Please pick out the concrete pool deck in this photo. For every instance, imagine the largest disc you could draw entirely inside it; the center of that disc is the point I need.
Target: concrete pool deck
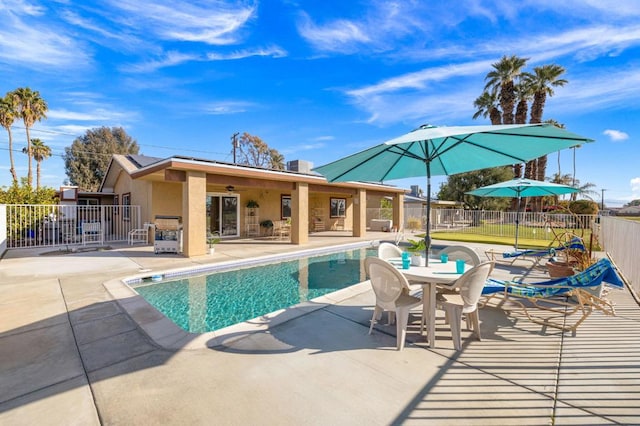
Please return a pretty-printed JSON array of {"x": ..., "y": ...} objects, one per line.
[{"x": 70, "y": 354}]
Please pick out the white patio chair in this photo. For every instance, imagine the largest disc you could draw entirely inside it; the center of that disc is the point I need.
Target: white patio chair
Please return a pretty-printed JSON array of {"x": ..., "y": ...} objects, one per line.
[
  {"x": 465, "y": 302},
  {"x": 387, "y": 251},
  {"x": 390, "y": 288},
  {"x": 466, "y": 253},
  {"x": 92, "y": 232}
]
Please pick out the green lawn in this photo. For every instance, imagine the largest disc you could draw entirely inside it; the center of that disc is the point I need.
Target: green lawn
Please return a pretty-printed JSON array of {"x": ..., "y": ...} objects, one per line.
[
  {"x": 632, "y": 218},
  {"x": 532, "y": 243}
]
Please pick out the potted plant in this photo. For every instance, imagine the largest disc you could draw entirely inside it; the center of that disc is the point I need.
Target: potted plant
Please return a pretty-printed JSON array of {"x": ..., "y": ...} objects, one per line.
[
  {"x": 267, "y": 224},
  {"x": 252, "y": 204},
  {"x": 417, "y": 249},
  {"x": 213, "y": 238}
]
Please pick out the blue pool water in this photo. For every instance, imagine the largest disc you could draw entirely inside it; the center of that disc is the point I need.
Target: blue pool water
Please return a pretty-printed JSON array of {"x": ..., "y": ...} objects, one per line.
[{"x": 209, "y": 302}]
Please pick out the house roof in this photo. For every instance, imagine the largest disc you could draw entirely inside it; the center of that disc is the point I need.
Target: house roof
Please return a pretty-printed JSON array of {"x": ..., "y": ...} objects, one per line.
[{"x": 154, "y": 168}]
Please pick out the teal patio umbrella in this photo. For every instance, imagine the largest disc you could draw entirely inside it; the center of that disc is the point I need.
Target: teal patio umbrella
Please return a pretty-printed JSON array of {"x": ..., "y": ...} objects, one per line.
[
  {"x": 439, "y": 151},
  {"x": 518, "y": 188}
]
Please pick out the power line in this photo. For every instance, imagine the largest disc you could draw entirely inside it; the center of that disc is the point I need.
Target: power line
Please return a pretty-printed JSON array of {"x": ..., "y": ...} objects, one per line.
[{"x": 171, "y": 148}]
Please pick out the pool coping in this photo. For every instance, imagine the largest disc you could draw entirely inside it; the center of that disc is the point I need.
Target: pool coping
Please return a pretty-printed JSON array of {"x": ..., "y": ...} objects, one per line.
[{"x": 168, "y": 335}]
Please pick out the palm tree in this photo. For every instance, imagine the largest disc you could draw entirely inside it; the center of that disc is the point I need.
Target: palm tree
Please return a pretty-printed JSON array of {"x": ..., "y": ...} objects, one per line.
[
  {"x": 544, "y": 79},
  {"x": 585, "y": 189},
  {"x": 523, "y": 93},
  {"x": 487, "y": 105},
  {"x": 31, "y": 108},
  {"x": 501, "y": 79},
  {"x": 542, "y": 82},
  {"x": 40, "y": 152},
  {"x": 7, "y": 117}
]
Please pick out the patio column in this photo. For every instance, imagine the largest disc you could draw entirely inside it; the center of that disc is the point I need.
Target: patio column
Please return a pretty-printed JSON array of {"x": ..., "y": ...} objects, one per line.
[
  {"x": 194, "y": 215},
  {"x": 360, "y": 213},
  {"x": 398, "y": 211},
  {"x": 300, "y": 214}
]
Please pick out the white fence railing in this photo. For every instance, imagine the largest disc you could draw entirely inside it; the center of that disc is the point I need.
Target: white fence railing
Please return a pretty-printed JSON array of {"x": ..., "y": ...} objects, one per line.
[
  {"x": 54, "y": 225},
  {"x": 533, "y": 225},
  {"x": 621, "y": 239}
]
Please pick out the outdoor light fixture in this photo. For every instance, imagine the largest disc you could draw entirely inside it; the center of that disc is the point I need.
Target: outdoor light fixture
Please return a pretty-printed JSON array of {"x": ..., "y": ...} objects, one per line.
[{"x": 230, "y": 188}]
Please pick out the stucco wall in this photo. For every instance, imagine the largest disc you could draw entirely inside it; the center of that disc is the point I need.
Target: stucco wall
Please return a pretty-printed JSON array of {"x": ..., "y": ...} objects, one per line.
[{"x": 166, "y": 199}]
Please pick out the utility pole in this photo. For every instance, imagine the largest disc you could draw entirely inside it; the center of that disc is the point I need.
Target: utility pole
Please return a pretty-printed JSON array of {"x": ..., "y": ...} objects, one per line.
[
  {"x": 234, "y": 141},
  {"x": 602, "y": 200}
]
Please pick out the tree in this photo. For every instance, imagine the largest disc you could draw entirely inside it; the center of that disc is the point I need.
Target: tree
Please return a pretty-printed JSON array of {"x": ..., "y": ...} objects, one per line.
[
  {"x": 632, "y": 203},
  {"x": 7, "y": 118},
  {"x": 502, "y": 80},
  {"x": 586, "y": 189},
  {"x": 487, "y": 106},
  {"x": 40, "y": 152},
  {"x": 88, "y": 157},
  {"x": 23, "y": 194},
  {"x": 456, "y": 185},
  {"x": 253, "y": 151},
  {"x": 542, "y": 82},
  {"x": 31, "y": 108},
  {"x": 523, "y": 95}
]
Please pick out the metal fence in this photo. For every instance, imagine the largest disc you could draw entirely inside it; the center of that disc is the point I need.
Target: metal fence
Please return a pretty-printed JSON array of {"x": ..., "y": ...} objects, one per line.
[
  {"x": 533, "y": 225},
  {"x": 55, "y": 225},
  {"x": 621, "y": 239}
]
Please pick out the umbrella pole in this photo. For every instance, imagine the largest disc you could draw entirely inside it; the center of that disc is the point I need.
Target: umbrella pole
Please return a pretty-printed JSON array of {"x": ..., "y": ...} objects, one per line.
[
  {"x": 517, "y": 221},
  {"x": 427, "y": 235}
]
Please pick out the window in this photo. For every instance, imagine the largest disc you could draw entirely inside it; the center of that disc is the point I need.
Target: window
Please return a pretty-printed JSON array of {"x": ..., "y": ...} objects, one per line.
[
  {"x": 285, "y": 206},
  {"x": 68, "y": 193},
  {"x": 116, "y": 202},
  {"x": 126, "y": 202},
  {"x": 338, "y": 207}
]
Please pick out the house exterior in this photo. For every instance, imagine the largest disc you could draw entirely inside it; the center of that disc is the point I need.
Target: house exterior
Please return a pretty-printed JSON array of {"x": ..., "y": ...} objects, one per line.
[{"x": 212, "y": 196}]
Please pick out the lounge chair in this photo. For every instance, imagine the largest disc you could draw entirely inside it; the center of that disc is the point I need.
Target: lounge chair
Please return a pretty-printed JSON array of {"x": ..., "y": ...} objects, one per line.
[
  {"x": 391, "y": 289},
  {"x": 535, "y": 256},
  {"x": 549, "y": 303}
]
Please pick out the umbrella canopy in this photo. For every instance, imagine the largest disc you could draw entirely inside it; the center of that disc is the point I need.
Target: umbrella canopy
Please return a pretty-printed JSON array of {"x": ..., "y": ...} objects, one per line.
[
  {"x": 518, "y": 188},
  {"x": 438, "y": 151}
]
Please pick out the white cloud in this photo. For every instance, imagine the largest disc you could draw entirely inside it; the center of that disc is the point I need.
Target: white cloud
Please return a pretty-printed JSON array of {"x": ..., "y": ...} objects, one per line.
[
  {"x": 635, "y": 186},
  {"x": 273, "y": 51},
  {"x": 226, "y": 107},
  {"x": 38, "y": 45},
  {"x": 175, "y": 58},
  {"x": 168, "y": 60},
  {"x": 119, "y": 38},
  {"x": 419, "y": 79},
  {"x": 295, "y": 150},
  {"x": 324, "y": 138},
  {"x": 214, "y": 23},
  {"x": 338, "y": 36},
  {"x": 616, "y": 135}
]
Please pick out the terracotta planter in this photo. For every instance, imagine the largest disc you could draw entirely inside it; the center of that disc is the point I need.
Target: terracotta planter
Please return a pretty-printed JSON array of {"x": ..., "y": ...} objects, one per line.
[{"x": 559, "y": 269}]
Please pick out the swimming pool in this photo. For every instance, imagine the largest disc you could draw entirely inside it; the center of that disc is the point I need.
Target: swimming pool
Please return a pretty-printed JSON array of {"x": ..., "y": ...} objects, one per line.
[{"x": 223, "y": 297}]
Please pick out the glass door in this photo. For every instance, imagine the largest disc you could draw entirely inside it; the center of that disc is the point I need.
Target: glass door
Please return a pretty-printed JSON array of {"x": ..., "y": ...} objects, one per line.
[{"x": 222, "y": 214}]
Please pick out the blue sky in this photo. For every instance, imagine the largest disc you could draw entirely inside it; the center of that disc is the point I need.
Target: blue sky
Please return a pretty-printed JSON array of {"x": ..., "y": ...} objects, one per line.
[{"x": 317, "y": 80}]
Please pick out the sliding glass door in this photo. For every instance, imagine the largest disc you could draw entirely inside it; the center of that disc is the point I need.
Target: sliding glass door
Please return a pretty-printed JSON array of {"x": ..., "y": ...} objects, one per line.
[{"x": 222, "y": 214}]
